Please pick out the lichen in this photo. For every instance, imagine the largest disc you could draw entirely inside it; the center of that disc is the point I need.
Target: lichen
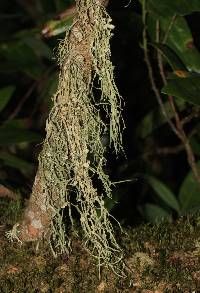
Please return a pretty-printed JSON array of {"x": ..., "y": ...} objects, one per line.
[{"x": 73, "y": 152}]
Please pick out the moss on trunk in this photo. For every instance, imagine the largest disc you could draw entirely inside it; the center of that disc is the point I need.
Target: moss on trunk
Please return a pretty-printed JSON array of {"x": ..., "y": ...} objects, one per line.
[{"x": 159, "y": 258}]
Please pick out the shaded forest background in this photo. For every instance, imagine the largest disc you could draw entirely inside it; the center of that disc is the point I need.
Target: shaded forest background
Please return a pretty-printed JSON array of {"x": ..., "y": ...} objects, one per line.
[{"x": 153, "y": 178}]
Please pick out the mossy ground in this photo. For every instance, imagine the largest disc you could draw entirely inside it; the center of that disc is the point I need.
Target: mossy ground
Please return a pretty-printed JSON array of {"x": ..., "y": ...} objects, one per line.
[{"x": 159, "y": 258}]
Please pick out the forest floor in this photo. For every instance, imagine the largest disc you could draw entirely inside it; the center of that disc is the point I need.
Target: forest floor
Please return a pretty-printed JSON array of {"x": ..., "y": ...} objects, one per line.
[{"x": 159, "y": 258}]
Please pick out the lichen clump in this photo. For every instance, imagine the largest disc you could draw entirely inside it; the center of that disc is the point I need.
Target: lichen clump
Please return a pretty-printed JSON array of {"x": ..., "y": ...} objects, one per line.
[{"x": 73, "y": 151}]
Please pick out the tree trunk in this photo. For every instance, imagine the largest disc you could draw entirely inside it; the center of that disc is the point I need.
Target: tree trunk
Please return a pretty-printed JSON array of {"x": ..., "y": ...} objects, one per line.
[{"x": 73, "y": 130}]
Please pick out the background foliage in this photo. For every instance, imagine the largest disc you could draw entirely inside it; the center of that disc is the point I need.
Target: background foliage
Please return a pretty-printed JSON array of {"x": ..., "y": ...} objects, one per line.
[{"x": 156, "y": 179}]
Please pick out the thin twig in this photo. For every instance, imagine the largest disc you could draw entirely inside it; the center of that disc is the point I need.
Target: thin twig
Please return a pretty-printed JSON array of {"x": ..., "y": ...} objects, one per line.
[
  {"x": 178, "y": 129},
  {"x": 169, "y": 29},
  {"x": 28, "y": 93},
  {"x": 150, "y": 72},
  {"x": 22, "y": 101},
  {"x": 187, "y": 119},
  {"x": 71, "y": 10},
  {"x": 159, "y": 56},
  {"x": 164, "y": 79},
  {"x": 179, "y": 125},
  {"x": 170, "y": 150}
]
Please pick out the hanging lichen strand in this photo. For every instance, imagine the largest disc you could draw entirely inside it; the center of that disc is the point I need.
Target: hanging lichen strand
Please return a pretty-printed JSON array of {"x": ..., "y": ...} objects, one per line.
[{"x": 73, "y": 152}]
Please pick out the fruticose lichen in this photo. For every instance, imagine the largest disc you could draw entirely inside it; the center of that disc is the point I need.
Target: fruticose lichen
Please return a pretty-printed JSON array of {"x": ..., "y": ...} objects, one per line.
[{"x": 73, "y": 152}]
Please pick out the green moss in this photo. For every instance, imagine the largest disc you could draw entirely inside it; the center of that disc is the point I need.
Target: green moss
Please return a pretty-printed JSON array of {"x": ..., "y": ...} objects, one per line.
[
  {"x": 173, "y": 249},
  {"x": 11, "y": 210}
]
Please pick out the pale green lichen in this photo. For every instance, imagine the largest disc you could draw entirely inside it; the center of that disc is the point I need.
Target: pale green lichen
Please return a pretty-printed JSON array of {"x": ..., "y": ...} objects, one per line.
[
  {"x": 13, "y": 234},
  {"x": 73, "y": 152}
]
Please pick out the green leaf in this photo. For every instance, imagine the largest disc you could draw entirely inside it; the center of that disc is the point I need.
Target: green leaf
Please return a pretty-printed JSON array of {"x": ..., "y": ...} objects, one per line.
[
  {"x": 164, "y": 8},
  {"x": 189, "y": 194},
  {"x": 39, "y": 47},
  {"x": 155, "y": 213},
  {"x": 17, "y": 123},
  {"x": 163, "y": 192},
  {"x": 56, "y": 27},
  {"x": 110, "y": 203},
  {"x": 195, "y": 141},
  {"x": 50, "y": 87},
  {"x": 195, "y": 146},
  {"x": 12, "y": 135},
  {"x": 5, "y": 96},
  {"x": 179, "y": 39},
  {"x": 15, "y": 162},
  {"x": 187, "y": 89},
  {"x": 155, "y": 119},
  {"x": 170, "y": 56},
  {"x": 22, "y": 57}
]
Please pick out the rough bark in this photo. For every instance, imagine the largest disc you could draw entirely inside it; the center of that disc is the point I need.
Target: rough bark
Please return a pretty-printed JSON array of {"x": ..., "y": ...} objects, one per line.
[{"x": 37, "y": 216}]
